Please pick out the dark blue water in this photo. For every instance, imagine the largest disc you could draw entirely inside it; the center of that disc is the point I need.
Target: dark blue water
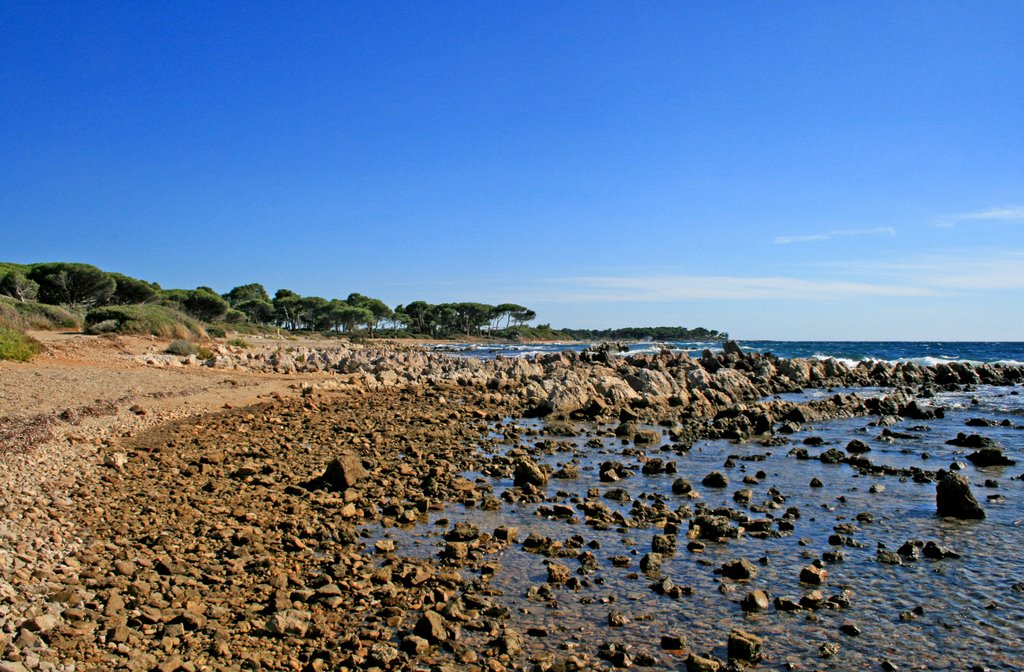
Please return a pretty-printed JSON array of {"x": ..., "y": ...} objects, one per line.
[{"x": 920, "y": 352}]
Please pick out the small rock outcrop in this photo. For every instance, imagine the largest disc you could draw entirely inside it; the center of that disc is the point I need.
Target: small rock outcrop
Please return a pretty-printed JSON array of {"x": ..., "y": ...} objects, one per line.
[{"x": 954, "y": 499}]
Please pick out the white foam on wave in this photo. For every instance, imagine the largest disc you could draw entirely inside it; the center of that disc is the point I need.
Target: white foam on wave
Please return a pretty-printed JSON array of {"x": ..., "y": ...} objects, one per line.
[{"x": 845, "y": 361}]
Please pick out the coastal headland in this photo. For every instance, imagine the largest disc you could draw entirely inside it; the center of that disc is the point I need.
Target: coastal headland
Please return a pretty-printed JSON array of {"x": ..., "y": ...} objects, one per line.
[{"x": 247, "y": 510}]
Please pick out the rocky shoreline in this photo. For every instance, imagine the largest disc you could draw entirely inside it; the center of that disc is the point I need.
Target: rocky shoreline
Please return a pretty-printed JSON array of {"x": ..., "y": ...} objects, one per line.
[{"x": 245, "y": 539}]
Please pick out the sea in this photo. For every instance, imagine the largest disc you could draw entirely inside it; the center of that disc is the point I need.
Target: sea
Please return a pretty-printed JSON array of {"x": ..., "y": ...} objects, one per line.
[
  {"x": 963, "y": 612},
  {"x": 920, "y": 352}
]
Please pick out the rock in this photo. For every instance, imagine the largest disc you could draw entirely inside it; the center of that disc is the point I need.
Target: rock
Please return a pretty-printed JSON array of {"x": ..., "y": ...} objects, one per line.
[
  {"x": 857, "y": 447},
  {"x": 567, "y": 472},
  {"x": 832, "y": 456},
  {"x": 732, "y": 348},
  {"x": 755, "y": 600},
  {"x": 646, "y": 437},
  {"x": 990, "y": 457},
  {"x": 972, "y": 441},
  {"x": 12, "y": 666},
  {"x": 506, "y": 533},
  {"x": 745, "y": 646},
  {"x": 116, "y": 460},
  {"x": 664, "y": 544},
  {"x": 813, "y": 575},
  {"x": 850, "y": 629},
  {"x": 815, "y": 483},
  {"x": 815, "y": 599},
  {"x": 953, "y": 498},
  {"x": 651, "y": 562},
  {"x": 739, "y": 570},
  {"x": 289, "y": 623},
  {"x": 888, "y": 557},
  {"x": 715, "y": 479},
  {"x": 681, "y": 486},
  {"x": 786, "y": 604},
  {"x": 382, "y": 655},
  {"x": 695, "y": 663},
  {"x": 935, "y": 552},
  {"x": 343, "y": 472},
  {"x": 527, "y": 472},
  {"x": 44, "y": 623},
  {"x": 558, "y": 573},
  {"x": 510, "y": 642},
  {"x": 462, "y": 532},
  {"x": 673, "y": 642},
  {"x": 617, "y": 619},
  {"x": 828, "y": 649},
  {"x": 431, "y": 627}
]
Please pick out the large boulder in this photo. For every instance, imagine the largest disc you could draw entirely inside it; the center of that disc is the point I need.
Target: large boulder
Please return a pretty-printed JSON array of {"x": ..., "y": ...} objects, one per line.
[{"x": 953, "y": 498}]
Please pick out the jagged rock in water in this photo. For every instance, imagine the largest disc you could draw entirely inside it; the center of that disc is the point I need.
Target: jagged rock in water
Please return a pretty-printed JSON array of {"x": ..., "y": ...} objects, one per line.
[
  {"x": 990, "y": 457},
  {"x": 745, "y": 646},
  {"x": 953, "y": 498},
  {"x": 527, "y": 472}
]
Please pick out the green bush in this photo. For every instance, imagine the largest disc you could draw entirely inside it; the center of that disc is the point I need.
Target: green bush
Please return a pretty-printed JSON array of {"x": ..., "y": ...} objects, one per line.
[
  {"x": 204, "y": 353},
  {"x": 145, "y": 319},
  {"x": 41, "y": 315},
  {"x": 239, "y": 342},
  {"x": 18, "y": 347},
  {"x": 181, "y": 347},
  {"x": 216, "y": 332}
]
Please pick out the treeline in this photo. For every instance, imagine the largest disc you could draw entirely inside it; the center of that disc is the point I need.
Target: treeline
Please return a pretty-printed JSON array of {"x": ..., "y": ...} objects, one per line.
[
  {"x": 647, "y": 333},
  {"x": 90, "y": 291}
]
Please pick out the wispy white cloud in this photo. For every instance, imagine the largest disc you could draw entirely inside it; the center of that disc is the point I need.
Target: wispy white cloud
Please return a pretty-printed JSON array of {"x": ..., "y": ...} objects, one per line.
[
  {"x": 829, "y": 235},
  {"x": 689, "y": 287},
  {"x": 934, "y": 275},
  {"x": 948, "y": 273},
  {"x": 1012, "y": 213}
]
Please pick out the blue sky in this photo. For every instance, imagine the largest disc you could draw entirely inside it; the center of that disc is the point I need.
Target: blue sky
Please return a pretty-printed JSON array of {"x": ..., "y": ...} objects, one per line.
[{"x": 797, "y": 170}]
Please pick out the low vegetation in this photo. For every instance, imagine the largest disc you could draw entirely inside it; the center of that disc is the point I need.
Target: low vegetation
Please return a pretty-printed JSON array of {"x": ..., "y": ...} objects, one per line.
[
  {"x": 42, "y": 316},
  {"x": 16, "y": 346},
  {"x": 181, "y": 347},
  {"x": 143, "y": 319}
]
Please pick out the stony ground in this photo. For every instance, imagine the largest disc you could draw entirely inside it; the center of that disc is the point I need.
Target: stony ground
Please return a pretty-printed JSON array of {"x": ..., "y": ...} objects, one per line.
[
  {"x": 213, "y": 517},
  {"x": 57, "y": 416}
]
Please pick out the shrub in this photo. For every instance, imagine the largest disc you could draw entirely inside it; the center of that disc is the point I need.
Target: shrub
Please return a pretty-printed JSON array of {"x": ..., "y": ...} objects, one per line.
[
  {"x": 145, "y": 319},
  {"x": 18, "y": 347},
  {"x": 9, "y": 317},
  {"x": 104, "y": 327},
  {"x": 29, "y": 315},
  {"x": 239, "y": 342},
  {"x": 204, "y": 353},
  {"x": 43, "y": 316},
  {"x": 181, "y": 347},
  {"x": 216, "y": 332}
]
